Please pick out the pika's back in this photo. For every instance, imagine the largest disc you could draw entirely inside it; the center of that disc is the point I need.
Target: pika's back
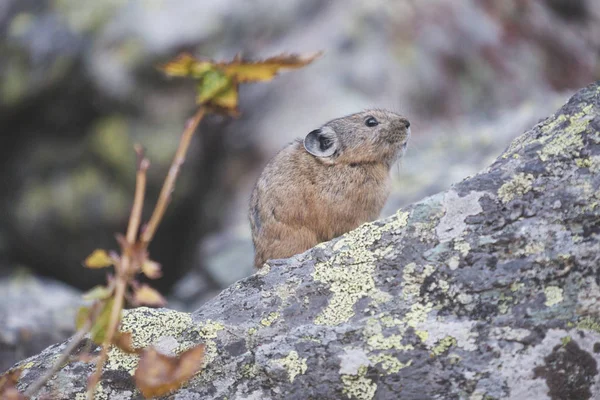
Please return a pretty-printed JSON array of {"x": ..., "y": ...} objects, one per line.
[{"x": 328, "y": 184}]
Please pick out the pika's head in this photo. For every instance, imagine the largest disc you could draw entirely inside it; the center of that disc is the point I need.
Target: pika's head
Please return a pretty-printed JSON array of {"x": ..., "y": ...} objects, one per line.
[{"x": 372, "y": 136}]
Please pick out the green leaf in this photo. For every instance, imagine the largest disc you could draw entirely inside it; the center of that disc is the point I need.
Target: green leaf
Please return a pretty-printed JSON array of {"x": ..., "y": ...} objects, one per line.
[
  {"x": 98, "y": 331},
  {"x": 212, "y": 84}
]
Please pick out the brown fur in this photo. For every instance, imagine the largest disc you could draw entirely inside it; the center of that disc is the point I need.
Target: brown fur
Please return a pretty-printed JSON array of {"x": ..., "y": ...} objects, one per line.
[{"x": 301, "y": 199}]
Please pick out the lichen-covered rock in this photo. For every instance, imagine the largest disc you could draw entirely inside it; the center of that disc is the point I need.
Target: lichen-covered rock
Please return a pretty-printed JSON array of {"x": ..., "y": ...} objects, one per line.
[{"x": 489, "y": 290}]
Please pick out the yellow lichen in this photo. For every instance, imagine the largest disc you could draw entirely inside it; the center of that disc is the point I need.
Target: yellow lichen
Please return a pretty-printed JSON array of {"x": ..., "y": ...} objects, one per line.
[
  {"x": 590, "y": 324},
  {"x": 554, "y": 295},
  {"x": 412, "y": 280},
  {"x": 147, "y": 325},
  {"x": 348, "y": 273},
  {"x": 400, "y": 220},
  {"x": 463, "y": 247},
  {"x": 443, "y": 345},
  {"x": 376, "y": 340},
  {"x": 269, "y": 319},
  {"x": 390, "y": 364},
  {"x": 293, "y": 364},
  {"x": 418, "y": 313},
  {"x": 583, "y": 162},
  {"x": 570, "y": 141},
  {"x": 423, "y": 335},
  {"x": 515, "y": 286},
  {"x": 517, "y": 186},
  {"x": 359, "y": 386}
]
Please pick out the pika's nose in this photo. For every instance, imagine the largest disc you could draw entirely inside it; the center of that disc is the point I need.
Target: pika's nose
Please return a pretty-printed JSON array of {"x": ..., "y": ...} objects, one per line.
[{"x": 406, "y": 123}]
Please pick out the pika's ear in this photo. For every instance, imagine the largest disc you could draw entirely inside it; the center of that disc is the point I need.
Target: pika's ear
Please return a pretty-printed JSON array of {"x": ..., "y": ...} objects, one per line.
[{"x": 321, "y": 142}]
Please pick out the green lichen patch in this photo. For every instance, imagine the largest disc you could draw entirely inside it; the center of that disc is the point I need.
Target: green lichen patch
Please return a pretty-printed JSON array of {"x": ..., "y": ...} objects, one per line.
[
  {"x": 554, "y": 295},
  {"x": 349, "y": 273},
  {"x": 147, "y": 326},
  {"x": 443, "y": 345},
  {"x": 293, "y": 364},
  {"x": 517, "y": 186},
  {"x": 418, "y": 313},
  {"x": 269, "y": 319},
  {"x": 590, "y": 324},
  {"x": 463, "y": 247},
  {"x": 359, "y": 386},
  {"x": 390, "y": 364},
  {"x": 412, "y": 280},
  {"x": 570, "y": 141}
]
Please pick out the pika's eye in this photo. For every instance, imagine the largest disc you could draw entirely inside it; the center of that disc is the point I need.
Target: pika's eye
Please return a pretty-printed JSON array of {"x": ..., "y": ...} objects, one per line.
[{"x": 371, "y": 122}]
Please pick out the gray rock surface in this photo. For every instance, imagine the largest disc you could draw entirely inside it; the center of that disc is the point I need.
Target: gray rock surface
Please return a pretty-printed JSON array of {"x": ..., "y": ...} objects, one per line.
[
  {"x": 34, "y": 313},
  {"x": 489, "y": 290}
]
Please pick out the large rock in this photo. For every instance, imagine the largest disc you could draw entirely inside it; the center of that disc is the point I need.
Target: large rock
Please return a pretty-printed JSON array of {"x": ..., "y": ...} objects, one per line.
[{"x": 488, "y": 290}]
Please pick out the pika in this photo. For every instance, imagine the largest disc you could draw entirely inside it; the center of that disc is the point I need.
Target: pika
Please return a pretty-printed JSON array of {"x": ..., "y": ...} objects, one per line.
[{"x": 334, "y": 180}]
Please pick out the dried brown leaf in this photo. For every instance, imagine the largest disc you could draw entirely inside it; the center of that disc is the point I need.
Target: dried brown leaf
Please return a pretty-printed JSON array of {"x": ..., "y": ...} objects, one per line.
[
  {"x": 264, "y": 70},
  {"x": 158, "y": 374},
  {"x": 145, "y": 295},
  {"x": 8, "y": 385},
  {"x": 152, "y": 269},
  {"x": 124, "y": 341}
]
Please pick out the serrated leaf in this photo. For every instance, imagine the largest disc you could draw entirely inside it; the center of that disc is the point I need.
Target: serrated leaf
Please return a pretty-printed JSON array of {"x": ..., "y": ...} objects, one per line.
[
  {"x": 217, "y": 86},
  {"x": 152, "y": 269},
  {"x": 145, "y": 295},
  {"x": 265, "y": 70},
  {"x": 186, "y": 65},
  {"x": 98, "y": 259},
  {"x": 99, "y": 292},
  {"x": 158, "y": 374}
]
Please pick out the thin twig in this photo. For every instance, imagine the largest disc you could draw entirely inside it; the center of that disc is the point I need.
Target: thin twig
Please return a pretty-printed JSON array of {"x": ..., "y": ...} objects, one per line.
[
  {"x": 169, "y": 185},
  {"x": 138, "y": 202},
  {"x": 110, "y": 332},
  {"x": 122, "y": 272},
  {"x": 75, "y": 340}
]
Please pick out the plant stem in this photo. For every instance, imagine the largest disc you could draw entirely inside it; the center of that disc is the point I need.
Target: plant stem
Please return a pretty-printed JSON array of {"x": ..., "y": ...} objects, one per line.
[
  {"x": 165, "y": 193},
  {"x": 138, "y": 202},
  {"x": 75, "y": 340},
  {"x": 123, "y": 274}
]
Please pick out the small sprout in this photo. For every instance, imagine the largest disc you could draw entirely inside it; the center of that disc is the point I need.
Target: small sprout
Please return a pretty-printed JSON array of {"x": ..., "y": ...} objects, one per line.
[
  {"x": 158, "y": 374},
  {"x": 99, "y": 259},
  {"x": 145, "y": 295}
]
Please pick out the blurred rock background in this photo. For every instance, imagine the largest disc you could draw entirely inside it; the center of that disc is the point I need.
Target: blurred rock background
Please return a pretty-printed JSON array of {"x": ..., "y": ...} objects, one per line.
[{"x": 78, "y": 87}]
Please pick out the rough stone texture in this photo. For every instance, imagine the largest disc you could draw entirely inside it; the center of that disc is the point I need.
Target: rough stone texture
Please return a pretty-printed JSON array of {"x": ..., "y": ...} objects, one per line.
[
  {"x": 34, "y": 313},
  {"x": 489, "y": 290}
]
